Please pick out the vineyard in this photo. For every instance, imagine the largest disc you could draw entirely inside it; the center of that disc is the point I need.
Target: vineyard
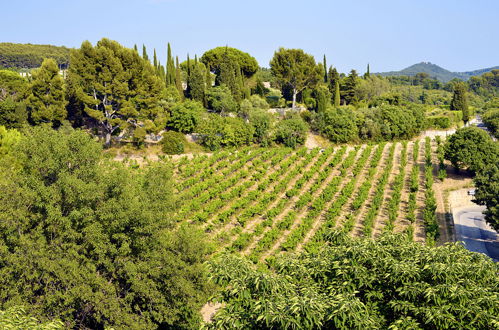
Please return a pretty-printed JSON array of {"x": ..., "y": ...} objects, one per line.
[{"x": 259, "y": 202}]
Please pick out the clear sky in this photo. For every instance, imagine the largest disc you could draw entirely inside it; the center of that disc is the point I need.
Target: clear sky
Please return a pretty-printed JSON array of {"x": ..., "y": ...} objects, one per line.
[{"x": 459, "y": 35}]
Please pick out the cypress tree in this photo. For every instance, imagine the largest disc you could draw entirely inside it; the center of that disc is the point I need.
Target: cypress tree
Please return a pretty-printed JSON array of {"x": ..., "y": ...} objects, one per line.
[
  {"x": 229, "y": 75},
  {"x": 170, "y": 68},
  {"x": 155, "y": 60},
  {"x": 325, "y": 69},
  {"x": 135, "y": 48},
  {"x": 144, "y": 53},
  {"x": 196, "y": 85},
  {"x": 207, "y": 80},
  {"x": 333, "y": 77},
  {"x": 188, "y": 66},
  {"x": 460, "y": 101},
  {"x": 337, "y": 94},
  {"x": 367, "y": 74},
  {"x": 178, "y": 79},
  {"x": 350, "y": 85}
]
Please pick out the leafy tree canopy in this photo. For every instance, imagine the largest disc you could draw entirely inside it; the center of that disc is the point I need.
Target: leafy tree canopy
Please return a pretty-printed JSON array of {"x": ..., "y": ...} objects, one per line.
[
  {"x": 487, "y": 193},
  {"x": 387, "y": 283},
  {"x": 91, "y": 241},
  {"x": 215, "y": 57},
  {"x": 471, "y": 148}
]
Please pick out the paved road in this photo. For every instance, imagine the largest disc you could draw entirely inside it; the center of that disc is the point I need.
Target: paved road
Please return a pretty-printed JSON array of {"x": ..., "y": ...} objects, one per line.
[{"x": 476, "y": 234}]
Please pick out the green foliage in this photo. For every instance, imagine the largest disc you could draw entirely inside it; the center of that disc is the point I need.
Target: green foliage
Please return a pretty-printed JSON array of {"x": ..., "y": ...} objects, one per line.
[
  {"x": 295, "y": 69},
  {"x": 262, "y": 122},
  {"x": 323, "y": 98},
  {"x": 291, "y": 131},
  {"x": 170, "y": 68},
  {"x": 116, "y": 86},
  {"x": 220, "y": 99},
  {"x": 185, "y": 116},
  {"x": 8, "y": 139},
  {"x": 217, "y": 132},
  {"x": 46, "y": 101},
  {"x": 13, "y": 90},
  {"x": 31, "y": 56},
  {"x": 460, "y": 101},
  {"x": 349, "y": 88},
  {"x": 471, "y": 148},
  {"x": 173, "y": 143},
  {"x": 487, "y": 192},
  {"x": 12, "y": 114},
  {"x": 95, "y": 246},
  {"x": 196, "y": 85},
  {"x": 360, "y": 283},
  {"x": 491, "y": 120},
  {"x": 338, "y": 125},
  {"x": 16, "y": 318},
  {"x": 439, "y": 122},
  {"x": 214, "y": 58}
]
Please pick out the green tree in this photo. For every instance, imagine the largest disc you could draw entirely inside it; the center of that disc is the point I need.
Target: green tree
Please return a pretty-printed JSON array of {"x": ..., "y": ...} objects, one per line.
[
  {"x": 170, "y": 68},
  {"x": 196, "y": 85},
  {"x": 185, "y": 116},
  {"x": 173, "y": 143},
  {"x": 217, "y": 132},
  {"x": 214, "y": 58},
  {"x": 118, "y": 89},
  {"x": 230, "y": 76},
  {"x": 16, "y": 318},
  {"x": 460, "y": 101},
  {"x": 323, "y": 98},
  {"x": 325, "y": 70},
  {"x": 95, "y": 244},
  {"x": 155, "y": 60},
  {"x": 262, "y": 121},
  {"x": 296, "y": 69},
  {"x": 337, "y": 96},
  {"x": 220, "y": 99},
  {"x": 487, "y": 192},
  {"x": 471, "y": 148},
  {"x": 46, "y": 100},
  {"x": 349, "y": 92},
  {"x": 338, "y": 125},
  {"x": 144, "y": 53},
  {"x": 13, "y": 89},
  {"x": 291, "y": 131},
  {"x": 367, "y": 74},
  {"x": 178, "y": 79},
  {"x": 386, "y": 283}
]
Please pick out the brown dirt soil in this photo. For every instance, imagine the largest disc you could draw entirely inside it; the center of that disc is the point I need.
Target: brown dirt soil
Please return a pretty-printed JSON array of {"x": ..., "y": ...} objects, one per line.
[
  {"x": 382, "y": 217},
  {"x": 401, "y": 222},
  {"x": 359, "y": 223},
  {"x": 419, "y": 228}
]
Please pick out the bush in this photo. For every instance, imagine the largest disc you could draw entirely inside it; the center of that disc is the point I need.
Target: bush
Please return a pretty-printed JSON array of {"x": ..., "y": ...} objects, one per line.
[
  {"x": 173, "y": 143},
  {"x": 438, "y": 122},
  {"x": 185, "y": 116},
  {"x": 291, "y": 132}
]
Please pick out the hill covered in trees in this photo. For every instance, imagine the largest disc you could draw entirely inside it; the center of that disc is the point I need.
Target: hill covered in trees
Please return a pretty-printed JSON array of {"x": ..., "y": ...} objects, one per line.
[
  {"x": 29, "y": 56},
  {"x": 437, "y": 72}
]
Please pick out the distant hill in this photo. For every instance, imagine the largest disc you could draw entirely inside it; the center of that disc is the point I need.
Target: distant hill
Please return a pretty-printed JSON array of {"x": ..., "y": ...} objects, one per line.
[
  {"x": 436, "y": 72},
  {"x": 28, "y": 56}
]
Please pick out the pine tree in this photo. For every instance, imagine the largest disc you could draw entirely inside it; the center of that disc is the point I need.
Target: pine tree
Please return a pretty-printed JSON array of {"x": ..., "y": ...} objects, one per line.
[
  {"x": 178, "y": 79},
  {"x": 460, "y": 101},
  {"x": 337, "y": 93},
  {"x": 144, "y": 53},
  {"x": 170, "y": 68},
  {"x": 325, "y": 69},
  {"x": 46, "y": 101}
]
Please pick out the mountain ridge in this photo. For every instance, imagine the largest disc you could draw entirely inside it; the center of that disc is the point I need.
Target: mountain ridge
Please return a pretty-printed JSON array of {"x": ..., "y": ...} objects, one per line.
[{"x": 436, "y": 72}]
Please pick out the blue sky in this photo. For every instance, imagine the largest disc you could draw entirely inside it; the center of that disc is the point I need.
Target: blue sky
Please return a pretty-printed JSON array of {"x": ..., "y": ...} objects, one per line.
[{"x": 459, "y": 35}]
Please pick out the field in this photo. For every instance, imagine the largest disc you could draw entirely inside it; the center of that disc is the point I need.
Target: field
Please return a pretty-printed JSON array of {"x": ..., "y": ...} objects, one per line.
[{"x": 261, "y": 201}]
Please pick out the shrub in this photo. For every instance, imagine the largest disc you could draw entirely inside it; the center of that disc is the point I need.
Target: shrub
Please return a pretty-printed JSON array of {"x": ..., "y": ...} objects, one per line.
[{"x": 173, "y": 143}]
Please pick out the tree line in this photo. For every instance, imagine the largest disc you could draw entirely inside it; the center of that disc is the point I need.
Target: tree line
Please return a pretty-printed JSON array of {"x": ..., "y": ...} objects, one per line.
[{"x": 122, "y": 94}]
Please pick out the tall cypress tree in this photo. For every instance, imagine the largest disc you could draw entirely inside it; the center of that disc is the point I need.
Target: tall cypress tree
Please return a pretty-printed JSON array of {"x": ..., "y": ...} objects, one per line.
[
  {"x": 196, "y": 86},
  {"x": 367, "y": 74},
  {"x": 155, "y": 60},
  {"x": 337, "y": 93},
  {"x": 229, "y": 75},
  {"x": 207, "y": 80},
  {"x": 135, "y": 48},
  {"x": 170, "y": 68},
  {"x": 460, "y": 101},
  {"x": 178, "y": 79},
  {"x": 325, "y": 69},
  {"x": 144, "y": 53},
  {"x": 333, "y": 77}
]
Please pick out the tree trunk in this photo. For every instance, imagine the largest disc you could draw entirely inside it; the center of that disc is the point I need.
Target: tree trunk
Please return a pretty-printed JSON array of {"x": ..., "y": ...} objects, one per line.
[
  {"x": 294, "y": 98},
  {"x": 108, "y": 140}
]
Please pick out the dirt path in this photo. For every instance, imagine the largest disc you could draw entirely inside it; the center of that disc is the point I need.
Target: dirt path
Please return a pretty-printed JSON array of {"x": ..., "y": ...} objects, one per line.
[
  {"x": 382, "y": 218},
  {"x": 359, "y": 223},
  {"x": 401, "y": 223},
  {"x": 419, "y": 227}
]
